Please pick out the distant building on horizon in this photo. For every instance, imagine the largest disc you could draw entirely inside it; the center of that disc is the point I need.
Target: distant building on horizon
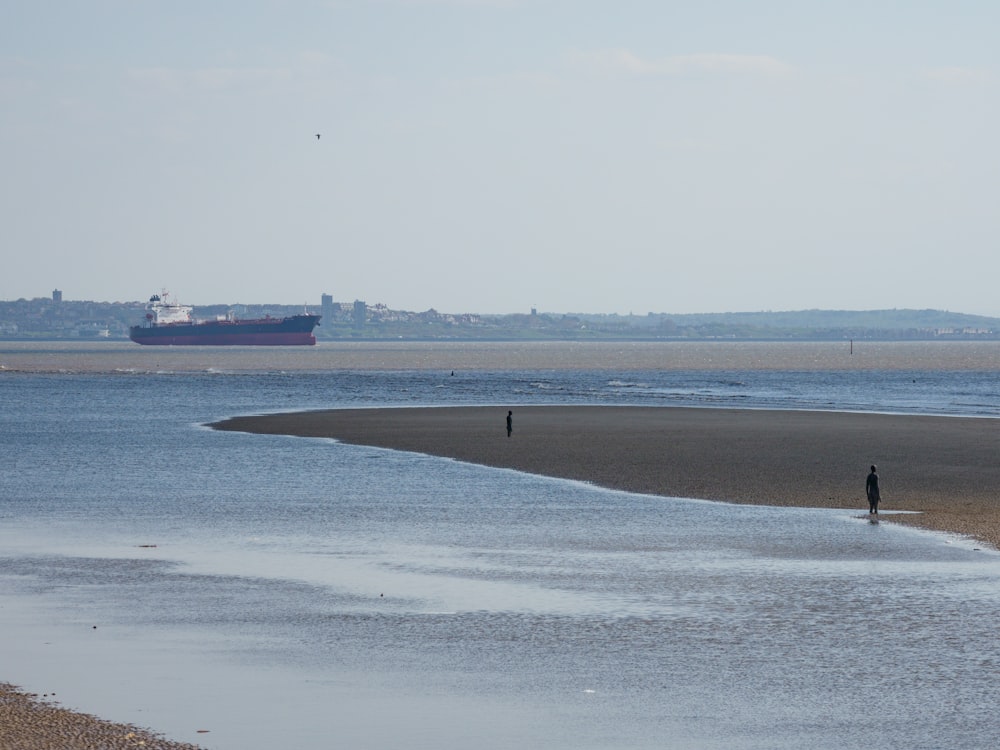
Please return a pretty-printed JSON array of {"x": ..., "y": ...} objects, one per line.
[
  {"x": 56, "y": 295},
  {"x": 326, "y": 301},
  {"x": 360, "y": 316},
  {"x": 360, "y": 313}
]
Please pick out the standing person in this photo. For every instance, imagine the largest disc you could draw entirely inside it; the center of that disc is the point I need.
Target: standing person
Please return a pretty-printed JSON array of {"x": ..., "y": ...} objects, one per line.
[
  {"x": 510, "y": 422},
  {"x": 871, "y": 488}
]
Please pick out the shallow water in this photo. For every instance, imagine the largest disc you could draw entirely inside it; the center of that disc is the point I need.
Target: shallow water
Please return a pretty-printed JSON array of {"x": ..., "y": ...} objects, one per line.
[{"x": 284, "y": 592}]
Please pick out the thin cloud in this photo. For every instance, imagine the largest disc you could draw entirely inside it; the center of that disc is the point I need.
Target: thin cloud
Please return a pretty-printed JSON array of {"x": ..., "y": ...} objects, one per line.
[
  {"x": 960, "y": 76},
  {"x": 622, "y": 61},
  {"x": 336, "y": 4},
  {"x": 467, "y": 3},
  {"x": 315, "y": 59},
  {"x": 175, "y": 81}
]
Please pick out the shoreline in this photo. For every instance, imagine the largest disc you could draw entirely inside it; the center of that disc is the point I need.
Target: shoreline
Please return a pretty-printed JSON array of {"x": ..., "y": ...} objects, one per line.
[
  {"x": 32, "y": 722},
  {"x": 943, "y": 468}
]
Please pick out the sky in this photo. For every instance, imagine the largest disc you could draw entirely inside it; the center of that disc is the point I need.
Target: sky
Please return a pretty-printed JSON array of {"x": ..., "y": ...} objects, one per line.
[{"x": 493, "y": 156}]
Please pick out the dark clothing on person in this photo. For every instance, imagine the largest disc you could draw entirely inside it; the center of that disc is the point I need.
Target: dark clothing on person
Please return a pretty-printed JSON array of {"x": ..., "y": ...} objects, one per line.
[
  {"x": 510, "y": 423},
  {"x": 871, "y": 488}
]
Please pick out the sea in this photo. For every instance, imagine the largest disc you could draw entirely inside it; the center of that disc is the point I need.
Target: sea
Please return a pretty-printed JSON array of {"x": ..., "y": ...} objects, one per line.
[{"x": 252, "y": 592}]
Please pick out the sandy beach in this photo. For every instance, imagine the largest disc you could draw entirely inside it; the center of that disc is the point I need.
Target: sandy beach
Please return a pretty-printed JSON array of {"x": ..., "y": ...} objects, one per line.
[{"x": 943, "y": 468}]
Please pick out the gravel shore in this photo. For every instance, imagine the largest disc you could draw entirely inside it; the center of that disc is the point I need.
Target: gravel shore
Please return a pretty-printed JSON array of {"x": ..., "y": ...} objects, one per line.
[{"x": 32, "y": 722}]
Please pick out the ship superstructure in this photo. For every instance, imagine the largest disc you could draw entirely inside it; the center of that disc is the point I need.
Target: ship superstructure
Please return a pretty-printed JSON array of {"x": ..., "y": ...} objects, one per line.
[{"x": 171, "y": 324}]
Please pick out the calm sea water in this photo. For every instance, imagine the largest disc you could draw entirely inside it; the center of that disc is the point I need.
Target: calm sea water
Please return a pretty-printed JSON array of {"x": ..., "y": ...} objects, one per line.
[{"x": 285, "y": 592}]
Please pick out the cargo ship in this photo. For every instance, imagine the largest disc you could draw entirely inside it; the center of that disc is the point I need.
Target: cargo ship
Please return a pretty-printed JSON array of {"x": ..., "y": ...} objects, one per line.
[{"x": 170, "y": 324}]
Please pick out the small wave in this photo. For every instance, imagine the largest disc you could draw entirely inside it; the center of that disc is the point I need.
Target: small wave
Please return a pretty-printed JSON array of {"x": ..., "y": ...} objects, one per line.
[
  {"x": 626, "y": 384},
  {"x": 548, "y": 386}
]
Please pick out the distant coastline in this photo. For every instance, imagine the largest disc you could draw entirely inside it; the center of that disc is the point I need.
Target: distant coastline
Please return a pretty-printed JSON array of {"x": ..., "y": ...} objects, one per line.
[{"x": 58, "y": 319}]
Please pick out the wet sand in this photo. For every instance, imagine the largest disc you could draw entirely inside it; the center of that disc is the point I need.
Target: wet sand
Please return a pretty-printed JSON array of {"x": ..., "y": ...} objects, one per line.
[
  {"x": 30, "y": 722},
  {"x": 945, "y": 468}
]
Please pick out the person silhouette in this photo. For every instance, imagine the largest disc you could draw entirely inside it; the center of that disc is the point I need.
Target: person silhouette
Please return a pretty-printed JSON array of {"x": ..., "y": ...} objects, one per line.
[
  {"x": 510, "y": 422},
  {"x": 871, "y": 489}
]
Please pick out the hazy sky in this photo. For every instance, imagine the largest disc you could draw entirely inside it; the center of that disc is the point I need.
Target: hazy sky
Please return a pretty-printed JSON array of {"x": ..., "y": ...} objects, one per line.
[{"x": 494, "y": 155}]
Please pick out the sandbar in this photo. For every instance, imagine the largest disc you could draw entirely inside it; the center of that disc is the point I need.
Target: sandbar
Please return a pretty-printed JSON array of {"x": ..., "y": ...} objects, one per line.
[{"x": 943, "y": 469}]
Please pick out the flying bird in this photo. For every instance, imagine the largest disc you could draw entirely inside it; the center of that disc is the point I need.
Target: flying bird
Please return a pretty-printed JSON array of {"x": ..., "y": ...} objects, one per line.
[{"x": 317, "y": 136}]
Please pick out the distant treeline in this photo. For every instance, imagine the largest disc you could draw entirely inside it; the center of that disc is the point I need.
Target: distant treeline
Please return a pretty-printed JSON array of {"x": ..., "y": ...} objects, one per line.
[{"x": 809, "y": 324}]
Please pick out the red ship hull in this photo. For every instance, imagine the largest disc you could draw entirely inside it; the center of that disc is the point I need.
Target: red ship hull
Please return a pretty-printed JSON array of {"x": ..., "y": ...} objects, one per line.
[
  {"x": 294, "y": 331},
  {"x": 259, "y": 339}
]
